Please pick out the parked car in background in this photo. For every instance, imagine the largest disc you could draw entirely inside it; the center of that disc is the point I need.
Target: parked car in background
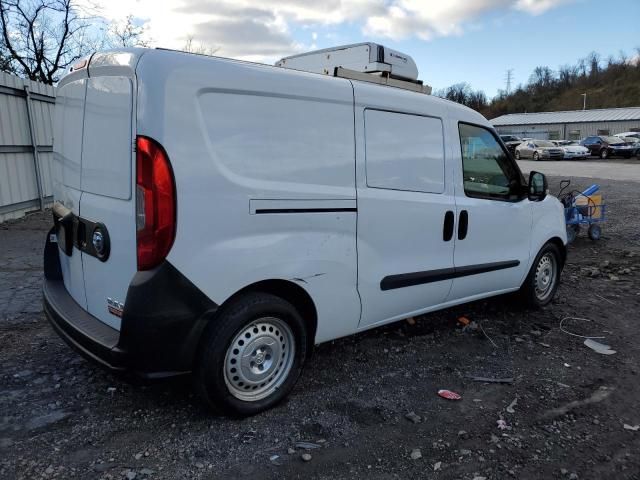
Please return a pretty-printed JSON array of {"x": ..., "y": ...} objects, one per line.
[
  {"x": 628, "y": 134},
  {"x": 562, "y": 143},
  {"x": 608, "y": 146},
  {"x": 634, "y": 142},
  {"x": 539, "y": 150},
  {"x": 574, "y": 151},
  {"x": 511, "y": 142}
]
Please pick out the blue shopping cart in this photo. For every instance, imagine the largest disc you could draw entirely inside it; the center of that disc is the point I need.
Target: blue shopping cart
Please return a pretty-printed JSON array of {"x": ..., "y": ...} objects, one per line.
[{"x": 583, "y": 208}]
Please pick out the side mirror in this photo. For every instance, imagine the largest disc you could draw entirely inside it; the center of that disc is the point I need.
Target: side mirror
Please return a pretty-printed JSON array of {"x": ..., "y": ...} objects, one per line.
[{"x": 538, "y": 186}]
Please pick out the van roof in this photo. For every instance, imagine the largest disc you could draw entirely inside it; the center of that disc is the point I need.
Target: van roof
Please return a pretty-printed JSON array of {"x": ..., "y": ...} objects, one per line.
[{"x": 128, "y": 59}]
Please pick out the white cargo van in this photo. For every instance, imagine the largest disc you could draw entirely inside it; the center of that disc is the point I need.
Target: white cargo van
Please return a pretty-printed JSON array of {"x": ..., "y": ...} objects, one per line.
[{"x": 221, "y": 217}]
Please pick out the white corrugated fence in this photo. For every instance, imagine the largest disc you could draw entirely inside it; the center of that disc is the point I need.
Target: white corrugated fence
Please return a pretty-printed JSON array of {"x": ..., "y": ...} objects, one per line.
[{"x": 26, "y": 145}]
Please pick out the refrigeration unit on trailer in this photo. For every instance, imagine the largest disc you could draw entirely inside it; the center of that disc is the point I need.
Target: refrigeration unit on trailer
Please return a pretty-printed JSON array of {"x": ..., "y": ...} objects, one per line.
[{"x": 221, "y": 217}]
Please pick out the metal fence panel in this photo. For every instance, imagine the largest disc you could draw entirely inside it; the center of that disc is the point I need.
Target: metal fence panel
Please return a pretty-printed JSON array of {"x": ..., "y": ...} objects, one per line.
[
  {"x": 17, "y": 178},
  {"x": 26, "y": 145},
  {"x": 14, "y": 124}
]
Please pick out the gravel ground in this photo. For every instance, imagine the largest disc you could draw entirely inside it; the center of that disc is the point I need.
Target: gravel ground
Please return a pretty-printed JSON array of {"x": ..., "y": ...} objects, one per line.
[{"x": 367, "y": 404}]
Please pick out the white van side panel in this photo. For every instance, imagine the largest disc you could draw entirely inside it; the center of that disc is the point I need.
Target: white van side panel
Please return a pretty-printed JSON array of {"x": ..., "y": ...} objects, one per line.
[
  {"x": 548, "y": 222},
  {"x": 243, "y": 141}
]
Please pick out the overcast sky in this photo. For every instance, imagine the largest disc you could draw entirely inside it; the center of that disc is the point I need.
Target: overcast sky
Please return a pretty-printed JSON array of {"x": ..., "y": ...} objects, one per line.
[{"x": 451, "y": 40}]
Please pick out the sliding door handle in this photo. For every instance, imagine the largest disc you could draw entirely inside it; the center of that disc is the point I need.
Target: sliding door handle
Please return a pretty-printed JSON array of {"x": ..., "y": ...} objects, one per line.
[
  {"x": 447, "y": 229},
  {"x": 463, "y": 225}
]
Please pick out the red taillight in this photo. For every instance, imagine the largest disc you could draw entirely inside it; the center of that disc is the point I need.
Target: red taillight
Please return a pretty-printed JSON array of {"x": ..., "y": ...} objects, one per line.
[{"x": 155, "y": 203}]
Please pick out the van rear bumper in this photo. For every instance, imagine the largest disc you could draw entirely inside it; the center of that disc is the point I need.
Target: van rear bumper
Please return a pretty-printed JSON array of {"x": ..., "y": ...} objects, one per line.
[
  {"x": 83, "y": 332},
  {"x": 162, "y": 322}
]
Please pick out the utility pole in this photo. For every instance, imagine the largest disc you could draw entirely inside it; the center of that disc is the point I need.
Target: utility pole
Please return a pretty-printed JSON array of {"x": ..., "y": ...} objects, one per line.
[
  {"x": 508, "y": 78},
  {"x": 584, "y": 101}
]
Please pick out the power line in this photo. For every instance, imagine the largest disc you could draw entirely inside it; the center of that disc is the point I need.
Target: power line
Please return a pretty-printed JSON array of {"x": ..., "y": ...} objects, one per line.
[{"x": 508, "y": 78}]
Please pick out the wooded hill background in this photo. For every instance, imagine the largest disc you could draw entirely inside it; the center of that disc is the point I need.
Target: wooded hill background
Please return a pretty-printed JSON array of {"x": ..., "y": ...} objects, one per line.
[{"x": 608, "y": 83}]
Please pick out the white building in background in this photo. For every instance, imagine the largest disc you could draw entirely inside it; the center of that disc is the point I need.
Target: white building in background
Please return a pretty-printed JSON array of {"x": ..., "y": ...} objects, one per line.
[{"x": 571, "y": 125}]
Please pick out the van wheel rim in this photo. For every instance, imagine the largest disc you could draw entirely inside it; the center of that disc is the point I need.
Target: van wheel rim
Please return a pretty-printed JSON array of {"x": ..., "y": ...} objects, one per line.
[
  {"x": 545, "y": 277},
  {"x": 259, "y": 359}
]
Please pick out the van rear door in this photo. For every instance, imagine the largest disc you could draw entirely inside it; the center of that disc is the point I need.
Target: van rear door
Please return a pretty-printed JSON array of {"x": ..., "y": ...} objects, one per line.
[
  {"x": 107, "y": 204},
  {"x": 67, "y": 156}
]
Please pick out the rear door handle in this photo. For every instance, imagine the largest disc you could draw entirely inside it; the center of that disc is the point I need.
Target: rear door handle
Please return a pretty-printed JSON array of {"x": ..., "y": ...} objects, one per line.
[
  {"x": 463, "y": 225},
  {"x": 447, "y": 229}
]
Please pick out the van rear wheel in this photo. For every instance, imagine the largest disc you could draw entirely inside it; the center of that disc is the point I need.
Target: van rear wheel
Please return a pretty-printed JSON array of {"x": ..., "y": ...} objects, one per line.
[
  {"x": 251, "y": 355},
  {"x": 541, "y": 283}
]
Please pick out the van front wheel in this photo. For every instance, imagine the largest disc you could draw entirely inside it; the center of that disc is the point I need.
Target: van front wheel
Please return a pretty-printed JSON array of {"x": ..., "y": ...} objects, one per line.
[
  {"x": 541, "y": 283},
  {"x": 251, "y": 355}
]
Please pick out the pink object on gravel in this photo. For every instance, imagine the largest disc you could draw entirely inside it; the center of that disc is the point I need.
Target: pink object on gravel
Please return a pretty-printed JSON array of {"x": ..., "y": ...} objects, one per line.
[{"x": 449, "y": 395}]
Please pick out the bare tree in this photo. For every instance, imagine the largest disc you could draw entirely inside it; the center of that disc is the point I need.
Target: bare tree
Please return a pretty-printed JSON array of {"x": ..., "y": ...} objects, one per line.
[
  {"x": 5, "y": 59},
  {"x": 459, "y": 92},
  {"x": 464, "y": 94},
  {"x": 127, "y": 34},
  {"x": 477, "y": 100},
  {"x": 582, "y": 67},
  {"x": 567, "y": 75},
  {"x": 623, "y": 57},
  {"x": 594, "y": 63},
  {"x": 541, "y": 77},
  {"x": 42, "y": 38},
  {"x": 199, "y": 48}
]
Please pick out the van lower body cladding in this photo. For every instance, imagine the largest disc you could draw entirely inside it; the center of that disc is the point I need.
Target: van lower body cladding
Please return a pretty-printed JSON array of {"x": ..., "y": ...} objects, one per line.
[{"x": 162, "y": 321}]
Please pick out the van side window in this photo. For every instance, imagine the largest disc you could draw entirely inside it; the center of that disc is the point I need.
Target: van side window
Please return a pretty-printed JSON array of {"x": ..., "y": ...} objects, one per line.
[
  {"x": 404, "y": 152},
  {"x": 487, "y": 169}
]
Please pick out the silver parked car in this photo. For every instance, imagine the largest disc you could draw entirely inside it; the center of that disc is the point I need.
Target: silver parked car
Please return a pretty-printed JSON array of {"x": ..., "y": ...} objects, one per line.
[
  {"x": 539, "y": 150},
  {"x": 572, "y": 149}
]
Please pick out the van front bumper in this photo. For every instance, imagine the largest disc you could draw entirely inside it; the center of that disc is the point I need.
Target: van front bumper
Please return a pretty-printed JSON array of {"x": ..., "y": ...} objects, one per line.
[{"x": 162, "y": 322}]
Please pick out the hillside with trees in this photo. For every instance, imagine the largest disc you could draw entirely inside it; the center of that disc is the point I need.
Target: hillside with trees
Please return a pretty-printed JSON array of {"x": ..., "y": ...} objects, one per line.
[{"x": 608, "y": 83}]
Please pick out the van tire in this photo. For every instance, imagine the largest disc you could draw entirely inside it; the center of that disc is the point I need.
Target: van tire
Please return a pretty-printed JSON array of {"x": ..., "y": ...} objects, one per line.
[
  {"x": 530, "y": 291},
  {"x": 248, "y": 313}
]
